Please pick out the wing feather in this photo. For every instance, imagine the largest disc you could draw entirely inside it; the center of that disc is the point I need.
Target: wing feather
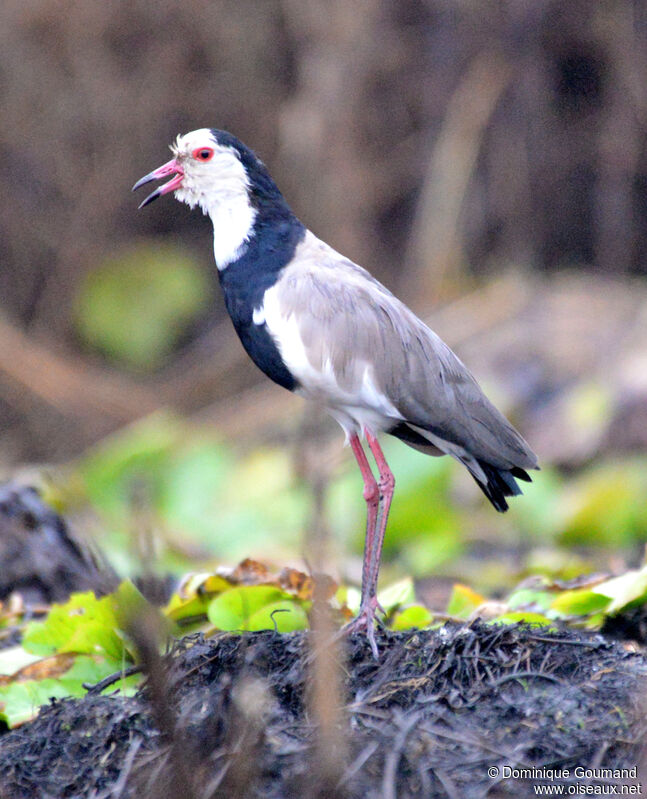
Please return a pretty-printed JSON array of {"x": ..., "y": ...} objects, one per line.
[{"x": 348, "y": 320}]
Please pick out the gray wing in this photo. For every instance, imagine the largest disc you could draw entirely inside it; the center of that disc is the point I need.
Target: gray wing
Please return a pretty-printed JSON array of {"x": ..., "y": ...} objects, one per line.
[{"x": 348, "y": 319}]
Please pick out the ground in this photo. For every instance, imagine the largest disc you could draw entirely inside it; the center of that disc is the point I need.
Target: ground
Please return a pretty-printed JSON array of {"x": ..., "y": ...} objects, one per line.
[{"x": 442, "y": 713}]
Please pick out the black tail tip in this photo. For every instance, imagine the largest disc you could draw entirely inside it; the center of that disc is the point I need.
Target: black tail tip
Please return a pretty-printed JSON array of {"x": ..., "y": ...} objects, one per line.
[{"x": 501, "y": 483}]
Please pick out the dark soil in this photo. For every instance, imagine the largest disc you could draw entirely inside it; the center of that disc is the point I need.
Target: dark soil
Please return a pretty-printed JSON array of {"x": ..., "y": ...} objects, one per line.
[
  {"x": 39, "y": 558},
  {"x": 439, "y": 709},
  {"x": 237, "y": 716}
]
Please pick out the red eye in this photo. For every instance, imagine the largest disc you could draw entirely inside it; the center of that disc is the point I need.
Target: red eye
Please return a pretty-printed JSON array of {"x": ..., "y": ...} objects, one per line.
[{"x": 203, "y": 154}]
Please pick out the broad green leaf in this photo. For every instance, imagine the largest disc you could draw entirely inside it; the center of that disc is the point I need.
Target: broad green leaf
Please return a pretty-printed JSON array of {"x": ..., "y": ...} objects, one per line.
[
  {"x": 285, "y": 615},
  {"x": 594, "y": 621},
  {"x": 233, "y": 609},
  {"x": 134, "y": 613},
  {"x": 579, "y": 602},
  {"x": 627, "y": 589},
  {"x": 84, "y": 624},
  {"x": 20, "y": 701},
  {"x": 412, "y": 616},
  {"x": 400, "y": 593},
  {"x": 538, "y": 597},
  {"x": 189, "y": 609},
  {"x": 127, "y": 602},
  {"x": 464, "y": 601},
  {"x": 194, "y": 596}
]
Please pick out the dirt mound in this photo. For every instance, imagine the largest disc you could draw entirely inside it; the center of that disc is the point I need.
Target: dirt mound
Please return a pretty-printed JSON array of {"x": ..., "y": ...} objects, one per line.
[
  {"x": 39, "y": 557},
  {"x": 440, "y": 709}
]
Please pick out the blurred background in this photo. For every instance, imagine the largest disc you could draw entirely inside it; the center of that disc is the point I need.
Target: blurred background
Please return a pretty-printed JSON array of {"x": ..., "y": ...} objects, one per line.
[{"x": 486, "y": 161}]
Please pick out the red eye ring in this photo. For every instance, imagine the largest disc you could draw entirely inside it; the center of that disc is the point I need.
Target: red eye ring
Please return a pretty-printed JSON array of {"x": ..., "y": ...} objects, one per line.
[{"x": 203, "y": 154}]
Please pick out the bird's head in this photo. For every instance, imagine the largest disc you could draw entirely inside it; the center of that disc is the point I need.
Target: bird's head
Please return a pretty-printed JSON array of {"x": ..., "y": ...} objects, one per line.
[
  {"x": 212, "y": 169},
  {"x": 207, "y": 171}
]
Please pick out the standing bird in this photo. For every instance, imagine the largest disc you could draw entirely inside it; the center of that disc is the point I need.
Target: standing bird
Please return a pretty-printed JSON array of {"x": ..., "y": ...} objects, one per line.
[{"x": 323, "y": 327}]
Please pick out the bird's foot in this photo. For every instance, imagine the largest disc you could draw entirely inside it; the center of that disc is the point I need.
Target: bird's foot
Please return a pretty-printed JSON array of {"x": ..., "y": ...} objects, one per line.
[{"x": 365, "y": 622}]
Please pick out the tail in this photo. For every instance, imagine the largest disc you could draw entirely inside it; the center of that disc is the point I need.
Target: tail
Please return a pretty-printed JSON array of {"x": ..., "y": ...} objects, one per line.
[
  {"x": 500, "y": 483},
  {"x": 495, "y": 482}
]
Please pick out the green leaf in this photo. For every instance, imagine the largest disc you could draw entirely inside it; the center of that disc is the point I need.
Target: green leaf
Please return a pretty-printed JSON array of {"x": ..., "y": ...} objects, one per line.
[
  {"x": 413, "y": 616},
  {"x": 20, "y": 701},
  {"x": 194, "y": 597},
  {"x": 285, "y": 615},
  {"x": 627, "y": 589},
  {"x": 194, "y": 608},
  {"x": 82, "y": 619},
  {"x": 134, "y": 613},
  {"x": 579, "y": 602},
  {"x": 400, "y": 593},
  {"x": 84, "y": 624},
  {"x": 464, "y": 601},
  {"x": 81, "y": 641},
  {"x": 233, "y": 609},
  {"x": 535, "y": 598}
]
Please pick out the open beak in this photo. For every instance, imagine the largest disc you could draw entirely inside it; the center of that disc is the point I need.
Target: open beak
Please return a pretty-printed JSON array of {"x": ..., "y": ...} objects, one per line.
[{"x": 171, "y": 168}]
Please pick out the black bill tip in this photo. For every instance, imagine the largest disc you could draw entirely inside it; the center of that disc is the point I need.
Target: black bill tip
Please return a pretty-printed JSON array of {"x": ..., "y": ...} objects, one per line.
[
  {"x": 151, "y": 197},
  {"x": 143, "y": 181}
]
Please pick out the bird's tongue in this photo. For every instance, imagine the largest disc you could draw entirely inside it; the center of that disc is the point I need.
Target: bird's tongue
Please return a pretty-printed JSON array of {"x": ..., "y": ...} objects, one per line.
[{"x": 170, "y": 168}]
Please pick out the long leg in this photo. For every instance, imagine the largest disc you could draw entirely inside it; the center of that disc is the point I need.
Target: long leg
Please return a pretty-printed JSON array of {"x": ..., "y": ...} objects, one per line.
[
  {"x": 378, "y": 495},
  {"x": 372, "y": 497},
  {"x": 386, "y": 486}
]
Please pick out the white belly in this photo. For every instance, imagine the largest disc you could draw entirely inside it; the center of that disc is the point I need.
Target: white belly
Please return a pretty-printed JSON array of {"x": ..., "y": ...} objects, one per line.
[{"x": 356, "y": 408}]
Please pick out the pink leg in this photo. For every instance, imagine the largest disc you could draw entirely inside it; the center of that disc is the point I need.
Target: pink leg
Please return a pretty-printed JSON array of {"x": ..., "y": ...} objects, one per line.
[
  {"x": 378, "y": 497},
  {"x": 386, "y": 485},
  {"x": 371, "y": 495}
]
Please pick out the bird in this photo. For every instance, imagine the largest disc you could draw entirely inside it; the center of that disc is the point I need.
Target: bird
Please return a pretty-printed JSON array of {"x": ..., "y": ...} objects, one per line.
[{"x": 323, "y": 327}]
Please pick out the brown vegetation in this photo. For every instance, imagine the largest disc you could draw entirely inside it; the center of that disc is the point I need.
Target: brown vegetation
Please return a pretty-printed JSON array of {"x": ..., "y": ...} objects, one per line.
[{"x": 428, "y": 141}]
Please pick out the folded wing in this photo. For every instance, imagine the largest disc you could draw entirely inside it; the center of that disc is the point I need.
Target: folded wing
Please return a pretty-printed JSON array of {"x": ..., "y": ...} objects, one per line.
[{"x": 351, "y": 327}]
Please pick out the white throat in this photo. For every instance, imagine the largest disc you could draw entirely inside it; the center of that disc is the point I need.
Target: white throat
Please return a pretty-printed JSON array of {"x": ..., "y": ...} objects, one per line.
[
  {"x": 233, "y": 226},
  {"x": 220, "y": 187}
]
